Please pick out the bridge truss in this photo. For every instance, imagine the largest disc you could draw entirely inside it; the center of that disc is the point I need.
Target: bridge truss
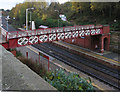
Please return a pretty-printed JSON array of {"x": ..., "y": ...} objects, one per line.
[{"x": 22, "y": 38}]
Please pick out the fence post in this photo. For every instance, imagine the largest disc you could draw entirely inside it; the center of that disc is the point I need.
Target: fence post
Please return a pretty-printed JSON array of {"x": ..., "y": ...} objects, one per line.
[
  {"x": 27, "y": 55},
  {"x": 36, "y": 62},
  {"x": 48, "y": 64},
  {"x": 6, "y": 35},
  {"x": 17, "y": 34},
  {"x": 39, "y": 57}
]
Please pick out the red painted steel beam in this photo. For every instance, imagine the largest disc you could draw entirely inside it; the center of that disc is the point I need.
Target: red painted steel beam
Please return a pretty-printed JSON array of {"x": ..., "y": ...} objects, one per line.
[
  {"x": 5, "y": 45},
  {"x": 21, "y": 38}
]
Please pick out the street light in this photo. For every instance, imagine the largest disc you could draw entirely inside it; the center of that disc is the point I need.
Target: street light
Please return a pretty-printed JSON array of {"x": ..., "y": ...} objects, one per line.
[
  {"x": 7, "y": 21},
  {"x": 58, "y": 16},
  {"x": 30, "y": 20},
  {"x": 27, "y": 17}
]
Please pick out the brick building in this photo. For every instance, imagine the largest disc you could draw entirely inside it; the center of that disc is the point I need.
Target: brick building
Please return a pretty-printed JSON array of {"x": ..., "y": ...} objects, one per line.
[{"x": 96, "y": 42}]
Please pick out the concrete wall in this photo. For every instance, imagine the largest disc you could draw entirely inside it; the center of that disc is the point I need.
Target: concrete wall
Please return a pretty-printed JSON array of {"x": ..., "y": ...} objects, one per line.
[{"x": 16, "y": 76}]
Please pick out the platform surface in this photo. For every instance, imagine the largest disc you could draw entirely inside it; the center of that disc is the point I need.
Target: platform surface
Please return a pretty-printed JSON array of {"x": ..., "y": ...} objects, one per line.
[{"x": 102, "y": 56}]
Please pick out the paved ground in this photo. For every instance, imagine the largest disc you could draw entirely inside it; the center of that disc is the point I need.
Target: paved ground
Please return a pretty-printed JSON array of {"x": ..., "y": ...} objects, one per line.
[
  {"x": 108, "y": 54},
  {"x": 112, "y": 55},
  {"x": 17, "y": 76}
]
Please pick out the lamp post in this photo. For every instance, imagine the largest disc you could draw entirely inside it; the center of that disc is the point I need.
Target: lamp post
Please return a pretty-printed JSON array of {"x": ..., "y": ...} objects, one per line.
[
  {"x": 30, "y": 20},
  {"x": 27, "y": 17},
  {"x": 58, "y": 16},
  {"x": 7, "y": 21}
]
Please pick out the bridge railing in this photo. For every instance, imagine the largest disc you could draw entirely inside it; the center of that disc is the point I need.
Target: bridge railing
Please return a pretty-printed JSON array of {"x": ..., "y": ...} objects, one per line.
[{"x": 86, "y": 29}]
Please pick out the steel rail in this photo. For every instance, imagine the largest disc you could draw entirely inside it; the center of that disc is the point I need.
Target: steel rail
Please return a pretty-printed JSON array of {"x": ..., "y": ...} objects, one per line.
[{"x": 108, "y": 79}]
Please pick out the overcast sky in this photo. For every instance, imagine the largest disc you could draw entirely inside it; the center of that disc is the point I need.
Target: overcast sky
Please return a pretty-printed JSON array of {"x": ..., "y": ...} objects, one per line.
[{"x": 8, "y": 4}]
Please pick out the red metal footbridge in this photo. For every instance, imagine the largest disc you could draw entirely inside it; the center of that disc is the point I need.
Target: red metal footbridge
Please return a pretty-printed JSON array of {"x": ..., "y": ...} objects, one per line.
[{"x": 15, "y": 39}]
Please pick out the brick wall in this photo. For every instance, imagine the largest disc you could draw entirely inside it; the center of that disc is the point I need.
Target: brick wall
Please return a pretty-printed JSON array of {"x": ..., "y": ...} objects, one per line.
[{"x": 101, "y": 41}]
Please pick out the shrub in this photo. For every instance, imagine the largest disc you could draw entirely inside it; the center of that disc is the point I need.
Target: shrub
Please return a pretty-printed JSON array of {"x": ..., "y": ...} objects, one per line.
[
  {"x": 70, "y": 81},
  {"x": 51, "y": 23},
  {"x": 18, "y": 53},
  {"x": 38, "y": 68}
]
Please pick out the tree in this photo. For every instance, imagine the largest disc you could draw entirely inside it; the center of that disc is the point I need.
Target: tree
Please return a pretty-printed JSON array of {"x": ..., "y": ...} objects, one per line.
[
  {"x": 101, "y": 7},
  {"x": 80, "y": 6},
  {"x": 44, "y": 17}
]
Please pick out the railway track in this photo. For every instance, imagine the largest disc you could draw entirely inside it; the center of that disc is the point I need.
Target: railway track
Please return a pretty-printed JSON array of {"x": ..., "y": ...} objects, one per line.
[{"x": 104, "y": 74}]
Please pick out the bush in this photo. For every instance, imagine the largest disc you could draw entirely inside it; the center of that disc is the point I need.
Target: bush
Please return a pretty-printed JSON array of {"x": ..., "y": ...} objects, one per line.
[
  {"x": 70, "y": 81},
  {"x": 51, "y": 23},
  {"x": 18, "y": 53},
  {"x": 38, "y": 68}
]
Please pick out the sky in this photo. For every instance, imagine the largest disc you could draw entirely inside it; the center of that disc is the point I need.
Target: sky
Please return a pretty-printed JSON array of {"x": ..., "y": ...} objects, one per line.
[{"x": 8, "y": 4}]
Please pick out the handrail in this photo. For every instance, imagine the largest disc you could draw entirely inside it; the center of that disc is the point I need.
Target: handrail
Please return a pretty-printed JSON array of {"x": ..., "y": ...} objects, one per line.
[{"x": 16, "y": 34}]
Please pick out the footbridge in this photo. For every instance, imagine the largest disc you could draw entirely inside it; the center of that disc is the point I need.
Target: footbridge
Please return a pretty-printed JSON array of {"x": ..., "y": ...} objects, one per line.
[{"x": 15, "y": 39}]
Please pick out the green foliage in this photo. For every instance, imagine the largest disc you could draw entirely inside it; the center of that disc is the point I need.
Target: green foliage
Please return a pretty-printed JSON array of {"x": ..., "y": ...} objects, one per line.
[
  {"x": 70, "y": 81},
  {"x": 44, "y": 17},
  {"x": 19, "y": 12},
  {"x": 38, "y": 68},
  {"x": 18, "y": 53},
  {"x": 51, "y": 23},
  {"x": 80, "y": 13},
  {"x": 80, "y": 6}
]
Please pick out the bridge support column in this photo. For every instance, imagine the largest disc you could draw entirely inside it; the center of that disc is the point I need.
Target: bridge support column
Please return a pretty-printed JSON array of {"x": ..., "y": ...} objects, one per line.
[
  {"x": 101, "y": 44},
  {"x": 104, "y": 42}
]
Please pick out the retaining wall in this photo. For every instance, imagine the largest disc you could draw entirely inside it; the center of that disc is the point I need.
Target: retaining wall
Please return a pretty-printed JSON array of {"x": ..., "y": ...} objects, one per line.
[{"x": 16, "y": 76}]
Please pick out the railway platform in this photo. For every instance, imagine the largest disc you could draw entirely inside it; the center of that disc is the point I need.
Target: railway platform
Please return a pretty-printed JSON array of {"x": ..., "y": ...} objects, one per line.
[{"x": 107, "y": 57}]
